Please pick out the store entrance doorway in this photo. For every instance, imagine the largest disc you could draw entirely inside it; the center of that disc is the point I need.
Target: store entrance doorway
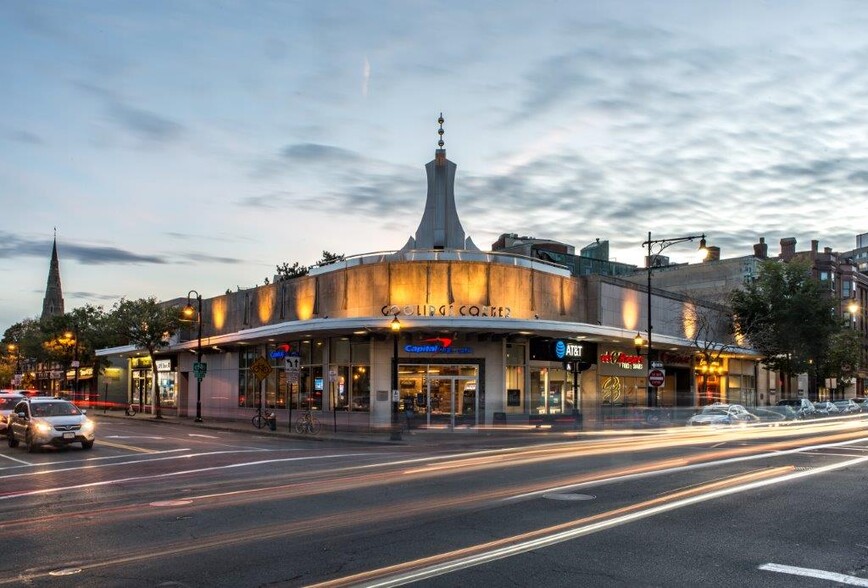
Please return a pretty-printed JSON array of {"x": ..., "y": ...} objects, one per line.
[{"x": 441, "y": 396}]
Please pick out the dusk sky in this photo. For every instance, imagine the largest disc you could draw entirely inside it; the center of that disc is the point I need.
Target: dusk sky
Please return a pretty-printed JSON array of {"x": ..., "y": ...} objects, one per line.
[{"x": 199, "y": 144}]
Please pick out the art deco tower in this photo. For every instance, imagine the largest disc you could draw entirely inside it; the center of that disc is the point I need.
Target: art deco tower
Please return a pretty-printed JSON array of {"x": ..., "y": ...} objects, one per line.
[
  {"x": 52, "y": 305},
  {"x": 440, "y": 227}
]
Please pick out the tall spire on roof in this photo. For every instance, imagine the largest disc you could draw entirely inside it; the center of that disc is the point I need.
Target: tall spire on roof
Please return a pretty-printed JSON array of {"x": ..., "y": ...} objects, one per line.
[
  {"x": 440, "y": 227},
  {"x": 52, "y": 304}
]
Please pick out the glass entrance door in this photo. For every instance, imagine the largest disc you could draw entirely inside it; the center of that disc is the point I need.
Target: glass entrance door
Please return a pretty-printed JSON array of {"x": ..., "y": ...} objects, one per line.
[
  {"x": 440, "y": 396},
  {"x": 452, "y": 402}
]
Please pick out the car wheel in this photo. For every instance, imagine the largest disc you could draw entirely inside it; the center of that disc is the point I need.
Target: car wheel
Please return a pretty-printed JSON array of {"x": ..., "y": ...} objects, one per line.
[
  {"x": 87, "y": 444},
  {"x": 31, "y": 446},
  {"x": 13, "y": 442}
]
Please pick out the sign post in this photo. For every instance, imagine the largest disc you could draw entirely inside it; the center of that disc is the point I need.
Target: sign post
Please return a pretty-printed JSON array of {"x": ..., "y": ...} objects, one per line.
[{"x": 656, "y": 377}]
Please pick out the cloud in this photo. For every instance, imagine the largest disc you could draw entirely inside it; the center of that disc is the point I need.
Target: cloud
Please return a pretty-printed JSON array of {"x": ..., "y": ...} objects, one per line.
[
  {"x": 13, "y": 246},
  {"x": 21, "y": 136},
  {"x": 366, "y": 77},
  {"x": 144, "y": 124}
]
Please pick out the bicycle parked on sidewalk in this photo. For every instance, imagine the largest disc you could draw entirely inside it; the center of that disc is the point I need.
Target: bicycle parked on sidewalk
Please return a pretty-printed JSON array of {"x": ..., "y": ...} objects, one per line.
[
  {"x": 132, "y": 409},
  {"x": 307, "y": 423},
  {"x": 260, "y": 419}
]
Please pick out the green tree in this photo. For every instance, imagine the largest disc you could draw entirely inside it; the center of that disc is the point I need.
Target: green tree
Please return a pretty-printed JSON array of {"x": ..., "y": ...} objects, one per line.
[
  {"x": 841, "y": 361},
  {"x": 148, "y": 325},
  {"x": 329, "y": 257},
  {"x": 787, "y": 315},
  {"x": 296, "y": 270},
  {"x": 288, "y": 272}
]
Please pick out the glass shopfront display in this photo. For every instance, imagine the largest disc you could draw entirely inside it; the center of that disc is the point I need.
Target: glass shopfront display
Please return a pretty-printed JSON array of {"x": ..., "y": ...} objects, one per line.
[
  {"x": 141, "y": 382},
  {"x": 444, "y": 396}
]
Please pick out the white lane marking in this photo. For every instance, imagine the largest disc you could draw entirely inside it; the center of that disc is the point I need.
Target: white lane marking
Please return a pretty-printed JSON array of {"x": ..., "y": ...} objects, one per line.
[
  {"x": 131, "y": 462},
  {"x": 199, "y": 435},
  {"x": 15, "y": 460},
  {"x": 541, "y": 542},
  {"x": 129, "y": 437},
  {"x": 57, "y": 489},
  {"x": 811, "y": 573},
  {"x": 696, "y": 466}
]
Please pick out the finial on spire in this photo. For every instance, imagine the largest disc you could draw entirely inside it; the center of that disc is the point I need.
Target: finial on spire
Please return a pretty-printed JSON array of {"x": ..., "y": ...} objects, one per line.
[{"x": 440, "y": 131}]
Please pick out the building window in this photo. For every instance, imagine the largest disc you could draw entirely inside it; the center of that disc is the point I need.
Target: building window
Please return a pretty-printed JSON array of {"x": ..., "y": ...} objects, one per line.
[
  {"x": 515, "y": 375},
  {"x": 350, "y": 386},
  {"x": 248, "y": 392}
]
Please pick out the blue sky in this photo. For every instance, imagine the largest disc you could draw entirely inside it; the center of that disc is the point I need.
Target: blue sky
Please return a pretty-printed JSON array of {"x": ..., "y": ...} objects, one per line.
[{"x": 197, "y": 145}]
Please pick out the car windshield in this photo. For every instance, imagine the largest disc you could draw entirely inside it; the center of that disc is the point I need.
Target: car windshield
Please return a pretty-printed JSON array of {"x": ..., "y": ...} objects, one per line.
[
  {"x": 715, "y": 411},
  {"x": 49, "y": 409},
  {"x": 8, "y": 403}
]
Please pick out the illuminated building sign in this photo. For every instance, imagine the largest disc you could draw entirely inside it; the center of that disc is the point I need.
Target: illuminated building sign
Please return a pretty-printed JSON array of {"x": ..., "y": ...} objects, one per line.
[
  {"x": 281, "y": 351},
  {"x": 447, "y": 310},
  {"x": 622, "y": 360},
  {"x": 436, "y": 345},
  {"x": 562, "y": 350}
]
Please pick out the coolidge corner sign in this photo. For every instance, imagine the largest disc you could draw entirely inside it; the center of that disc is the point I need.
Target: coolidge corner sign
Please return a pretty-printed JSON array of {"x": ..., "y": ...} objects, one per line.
[{"x": 447, "y": 310}]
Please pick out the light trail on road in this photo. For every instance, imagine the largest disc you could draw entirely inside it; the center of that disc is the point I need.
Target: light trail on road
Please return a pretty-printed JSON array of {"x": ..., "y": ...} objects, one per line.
[{"x": 444, "y": 563}]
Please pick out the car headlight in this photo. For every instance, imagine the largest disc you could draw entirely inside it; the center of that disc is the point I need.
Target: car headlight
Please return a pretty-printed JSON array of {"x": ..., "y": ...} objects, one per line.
[
  {"x": 43, "y": 428},
  {"x": 87, "y": 426}
]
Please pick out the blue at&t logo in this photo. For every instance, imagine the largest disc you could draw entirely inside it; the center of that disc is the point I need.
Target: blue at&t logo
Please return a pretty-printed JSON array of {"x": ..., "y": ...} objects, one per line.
[{"x": 560, "y": 349}]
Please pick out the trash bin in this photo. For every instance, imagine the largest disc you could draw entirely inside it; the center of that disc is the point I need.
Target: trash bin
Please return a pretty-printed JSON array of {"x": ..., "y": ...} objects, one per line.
[{"x": 271, "y": 419}]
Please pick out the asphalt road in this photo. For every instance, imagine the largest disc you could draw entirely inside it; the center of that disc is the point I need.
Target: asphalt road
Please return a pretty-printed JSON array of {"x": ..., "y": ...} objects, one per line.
[{"x": 155, "y": 505}]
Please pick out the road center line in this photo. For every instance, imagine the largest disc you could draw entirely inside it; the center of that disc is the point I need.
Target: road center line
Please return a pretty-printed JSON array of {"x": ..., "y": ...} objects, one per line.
[{"x": 811, "y": 573}]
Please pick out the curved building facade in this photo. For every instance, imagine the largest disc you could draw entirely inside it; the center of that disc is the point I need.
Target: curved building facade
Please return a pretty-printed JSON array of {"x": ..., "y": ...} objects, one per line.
[{"x": 439, "y": 333}]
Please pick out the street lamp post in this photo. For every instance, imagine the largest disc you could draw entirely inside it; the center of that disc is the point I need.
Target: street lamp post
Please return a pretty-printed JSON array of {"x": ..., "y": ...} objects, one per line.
[
  {"x": 12, "y": 347},
  {"x": 188, "y": 313},
  {"x": 73, "y": 336},
  {"x": 396, "y": 333},
  {"x": 660, "y": 245}
]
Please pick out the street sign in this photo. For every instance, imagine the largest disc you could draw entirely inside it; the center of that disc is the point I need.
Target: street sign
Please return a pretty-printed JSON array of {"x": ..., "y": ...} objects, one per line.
[
  {"x": 75, "y": 363},
  {"x": 291, "y": 362},
  {"x": 656, "y": 377},
  {"x": 656, "y": 365},
  {"x": 260, "y": 368},
  {"x": 200, "y": 368},
  {"x": 292, "y": 376}
]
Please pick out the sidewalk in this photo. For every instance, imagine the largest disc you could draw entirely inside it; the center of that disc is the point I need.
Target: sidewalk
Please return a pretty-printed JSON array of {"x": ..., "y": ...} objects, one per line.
[{"x": 500, "y": 437}]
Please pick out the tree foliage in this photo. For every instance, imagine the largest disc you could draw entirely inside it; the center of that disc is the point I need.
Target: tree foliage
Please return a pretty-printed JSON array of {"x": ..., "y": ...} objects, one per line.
[
  {"x": 148, "y": 325},
  {"x": 786, "y": 315},
  {"x": 296, "y": 270}
]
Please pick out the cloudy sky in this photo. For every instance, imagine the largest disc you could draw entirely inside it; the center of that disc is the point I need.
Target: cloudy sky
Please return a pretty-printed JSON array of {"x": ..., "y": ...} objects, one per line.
[{"x": 198, "y": 144}]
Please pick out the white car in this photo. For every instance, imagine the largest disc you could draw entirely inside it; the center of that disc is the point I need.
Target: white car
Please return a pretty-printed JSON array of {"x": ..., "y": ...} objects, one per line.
[
  {"x": 8, "y": 400},
  {"x": 722, "y": 414},
  {"x": 48, "y": 421}
]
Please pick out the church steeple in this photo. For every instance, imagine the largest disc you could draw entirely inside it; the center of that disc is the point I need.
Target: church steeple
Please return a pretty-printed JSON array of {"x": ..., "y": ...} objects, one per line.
[
  {"x": 52, "y": 305},
  {"x": 440, "y": 227}
]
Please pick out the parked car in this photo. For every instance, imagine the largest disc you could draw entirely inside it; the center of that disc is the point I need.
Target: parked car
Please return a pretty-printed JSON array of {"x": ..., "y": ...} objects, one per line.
[
  {"x": 804, "y": 408},
  {"x": 846, "y": 406},
  {"x": 860, "y": 400},
  {"x": 772, "y": 414},
  {"x": 722, "y": 414},
  {"x": 826, "y": 408},
  {"x": 8, "y": 400},
  {"x": 44, "y": 420}
]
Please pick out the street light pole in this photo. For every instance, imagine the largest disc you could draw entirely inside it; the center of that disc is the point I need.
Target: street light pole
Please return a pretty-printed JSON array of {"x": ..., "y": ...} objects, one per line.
[
  {"x": 396, "y": 331},
  {"x": 660, "y": 245},
  {"x": 188, "y": 312},
  {"x": 13, "y": 347},
  {"x": 73, "y": 336}
]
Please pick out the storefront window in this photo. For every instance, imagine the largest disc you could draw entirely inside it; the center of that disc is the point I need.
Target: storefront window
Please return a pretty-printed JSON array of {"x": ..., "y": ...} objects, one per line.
[
  {"x": 515, "y": 373},
  {"x": 248, "y": 392},
  {"x": 549, "y": 390},
  {"x": 350, "y": 386}
]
